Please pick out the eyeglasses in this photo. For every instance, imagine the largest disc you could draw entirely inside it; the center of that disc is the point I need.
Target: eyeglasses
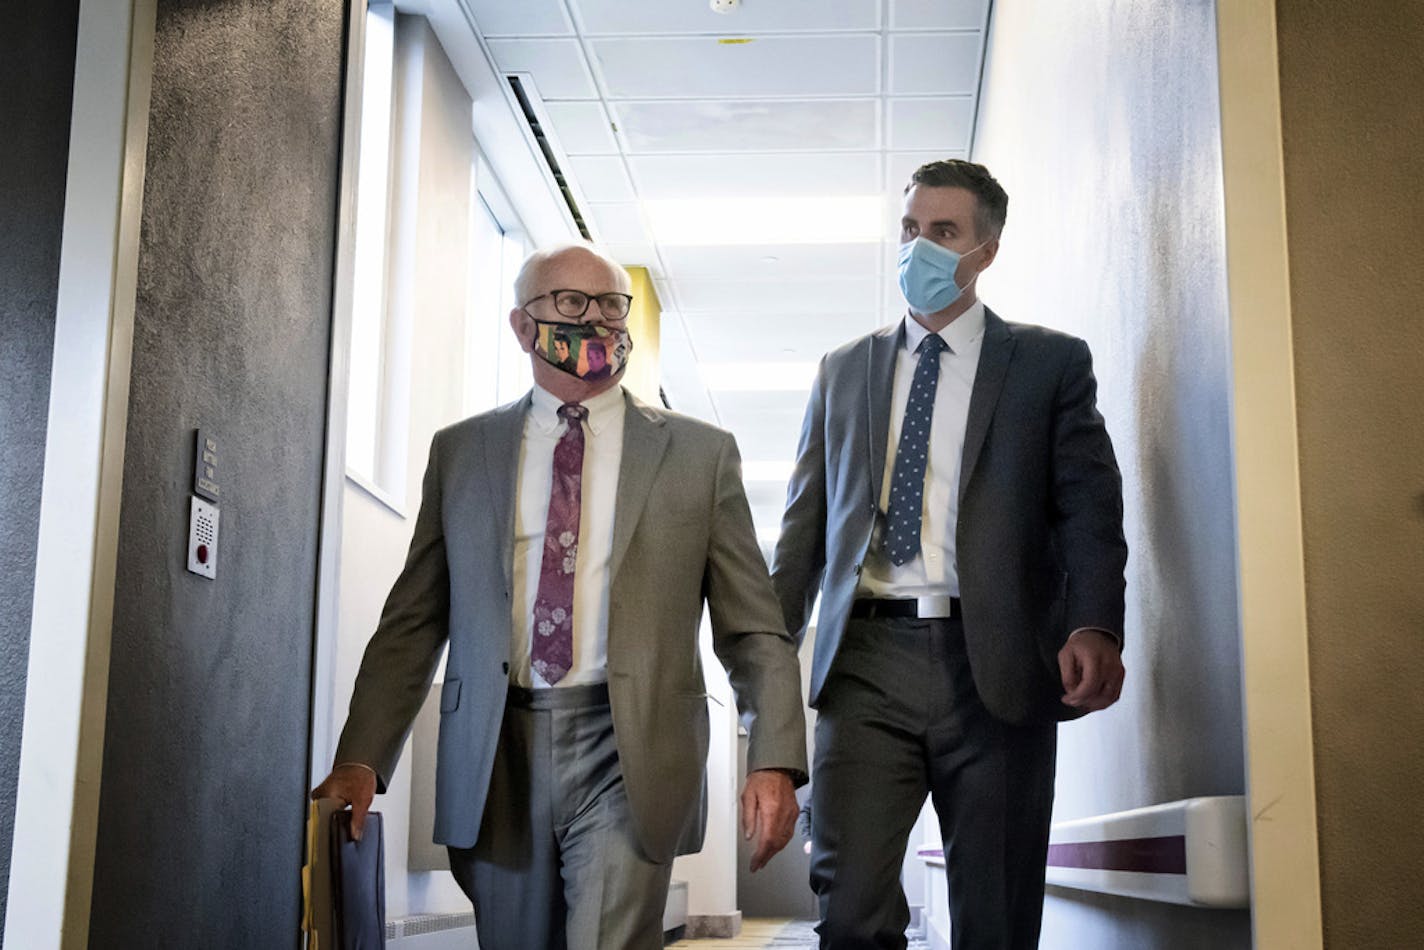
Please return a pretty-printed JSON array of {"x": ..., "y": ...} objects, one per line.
[{"x": 574, "y": 304}]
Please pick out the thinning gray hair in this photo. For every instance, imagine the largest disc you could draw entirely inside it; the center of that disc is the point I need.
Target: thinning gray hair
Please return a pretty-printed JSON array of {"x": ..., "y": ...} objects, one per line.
[{"x": 529, "y": 271}]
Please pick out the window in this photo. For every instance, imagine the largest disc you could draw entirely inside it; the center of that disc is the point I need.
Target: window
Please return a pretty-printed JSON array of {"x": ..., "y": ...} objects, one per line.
[
  {"x": 375, "y": 454},
  {"x": 496, "y": 369}
]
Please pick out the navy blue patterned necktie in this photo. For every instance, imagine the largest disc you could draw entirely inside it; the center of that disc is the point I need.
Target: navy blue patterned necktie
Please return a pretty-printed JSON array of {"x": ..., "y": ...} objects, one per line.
[{"x": 907, "y": 486}]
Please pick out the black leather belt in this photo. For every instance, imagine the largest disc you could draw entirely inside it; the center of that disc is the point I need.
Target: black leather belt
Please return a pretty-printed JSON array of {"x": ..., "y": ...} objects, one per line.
[
  {"x": 562, "y": 697},
  {"x": 868, "y": 608}
]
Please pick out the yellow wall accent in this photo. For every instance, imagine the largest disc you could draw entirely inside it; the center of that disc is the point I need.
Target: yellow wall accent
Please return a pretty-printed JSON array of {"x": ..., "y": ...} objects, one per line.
[{"x": 644, "y": 375}]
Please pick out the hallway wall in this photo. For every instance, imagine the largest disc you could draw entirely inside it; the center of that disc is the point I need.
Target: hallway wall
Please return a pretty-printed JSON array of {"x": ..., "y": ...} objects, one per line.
[
  {"x": 205, "y": 757},
  {"x": 1353, "y": 205},
  {"x": 37, "y": 49},
  {"x": 433, "y": 160},
  {"x": 1101, "y": 120}
]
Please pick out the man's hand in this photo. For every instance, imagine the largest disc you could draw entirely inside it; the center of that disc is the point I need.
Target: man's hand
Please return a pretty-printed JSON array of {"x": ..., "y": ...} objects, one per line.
[
  {"x": 356, "y": 786},
  {"x": 1092, "y": 670},
  {"x": 769, "y": 812}
]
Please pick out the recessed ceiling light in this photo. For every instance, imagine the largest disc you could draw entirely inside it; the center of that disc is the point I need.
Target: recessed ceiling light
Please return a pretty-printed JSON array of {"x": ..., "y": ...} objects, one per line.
[
  {"x": 757, "y": 376},
  {"x": 841, "y": 219},
  {"x": 763, "y": 470}
]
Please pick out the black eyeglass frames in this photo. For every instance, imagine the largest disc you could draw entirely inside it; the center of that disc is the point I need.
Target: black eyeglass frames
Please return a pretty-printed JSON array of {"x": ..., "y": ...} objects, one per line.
[{"x": 574, "y": 303}]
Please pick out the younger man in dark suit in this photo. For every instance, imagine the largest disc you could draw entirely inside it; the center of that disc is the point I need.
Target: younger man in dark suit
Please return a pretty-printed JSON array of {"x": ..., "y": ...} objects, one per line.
[{"x": 957, "y": 504}]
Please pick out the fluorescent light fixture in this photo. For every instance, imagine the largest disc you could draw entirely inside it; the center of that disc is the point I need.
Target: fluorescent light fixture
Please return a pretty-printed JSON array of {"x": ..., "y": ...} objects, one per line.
[
  {"x": 758, "y": 376},
  {"x": 841, "y": 219},
  {"x": 768, "y": 471}
]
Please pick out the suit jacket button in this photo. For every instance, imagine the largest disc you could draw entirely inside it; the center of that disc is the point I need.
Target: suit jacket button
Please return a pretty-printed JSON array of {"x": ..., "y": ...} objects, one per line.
[{"x": 505, "y": 668}]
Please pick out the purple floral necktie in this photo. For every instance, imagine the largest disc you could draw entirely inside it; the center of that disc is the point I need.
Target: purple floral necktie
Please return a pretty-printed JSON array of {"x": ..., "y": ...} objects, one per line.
[{"x": 553, "y": 650}]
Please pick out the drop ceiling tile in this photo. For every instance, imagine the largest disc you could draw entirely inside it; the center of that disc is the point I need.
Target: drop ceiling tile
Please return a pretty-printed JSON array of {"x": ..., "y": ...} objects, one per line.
[
  {"x": 744, "y": 175},
  {"x": 680, "y": 380},
  {"x": 768, "y": 495},
  {"x": 582, "y": 128},
  {"x": 633, "y": 255},
  {"x": 899, "y": 166},
  {"x": 938, "y": 14},
  {"x": 776, "y": 413},
  {"x": 618, "y": 223},
  {"x": 894, "y": 301},
  {"x": 526, "y": 18},
  {"x": 767, "y": 437},
  {"x": 558, "y": 66},
  {"x": 772, "y": 261},
  {"x": 602, "y": 178},
  {"x": 934, "y": 63},
  {"x": 766, "y": 67},
  {"x": 783, "y": 337},
  {"x": 756, "y": 16},
  {"x": 779, "y": 296},
  {"x": 749, "y": 126},
  {"x": 931, "y": 123}
]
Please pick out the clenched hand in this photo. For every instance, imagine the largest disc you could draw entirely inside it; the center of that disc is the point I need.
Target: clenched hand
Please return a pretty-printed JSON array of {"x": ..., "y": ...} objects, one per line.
[
  {"x": 1092, "y": 670},
  {"x": 769, "y": 813},
  {"x": 353, "y": 784}
]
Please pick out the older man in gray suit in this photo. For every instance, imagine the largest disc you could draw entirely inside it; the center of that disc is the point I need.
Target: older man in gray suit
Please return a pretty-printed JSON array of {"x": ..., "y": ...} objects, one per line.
[
  {"x": 957, "y": 505},
  {"x": 564, "y": 549}
]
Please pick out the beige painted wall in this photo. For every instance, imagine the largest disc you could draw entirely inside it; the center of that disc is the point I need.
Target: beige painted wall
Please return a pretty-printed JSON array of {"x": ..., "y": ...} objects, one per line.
[
  {"x": 1353, "y": 129},
  {"x": 1101, "y": 120}
]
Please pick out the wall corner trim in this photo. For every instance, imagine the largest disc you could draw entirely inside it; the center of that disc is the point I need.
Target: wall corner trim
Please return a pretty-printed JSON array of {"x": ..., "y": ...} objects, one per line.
[
  {"x": 56, "y": 815},
  {"x": 1285, "y": 872}
]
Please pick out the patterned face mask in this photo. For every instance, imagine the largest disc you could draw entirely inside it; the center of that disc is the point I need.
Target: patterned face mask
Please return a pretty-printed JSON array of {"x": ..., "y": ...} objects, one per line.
[{"x": 587, "y": 350}]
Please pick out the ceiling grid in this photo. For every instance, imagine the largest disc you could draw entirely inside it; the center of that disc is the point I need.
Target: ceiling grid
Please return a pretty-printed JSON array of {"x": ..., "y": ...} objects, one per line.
[{"x": 753, "y": 162}]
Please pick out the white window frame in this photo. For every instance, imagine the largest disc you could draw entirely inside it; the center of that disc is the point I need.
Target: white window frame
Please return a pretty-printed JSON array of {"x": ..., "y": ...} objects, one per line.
[
  {"x": 496, "y": 370},
  {"x": 378, "y": 395}
]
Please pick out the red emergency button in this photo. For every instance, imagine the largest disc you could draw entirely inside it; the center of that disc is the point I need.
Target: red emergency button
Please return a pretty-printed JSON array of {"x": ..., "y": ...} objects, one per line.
[{"x": 202, "y": 554}]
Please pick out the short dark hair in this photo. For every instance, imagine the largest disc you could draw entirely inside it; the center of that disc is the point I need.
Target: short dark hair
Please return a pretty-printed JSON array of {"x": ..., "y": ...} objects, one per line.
[{"x": 991, "y": 206}]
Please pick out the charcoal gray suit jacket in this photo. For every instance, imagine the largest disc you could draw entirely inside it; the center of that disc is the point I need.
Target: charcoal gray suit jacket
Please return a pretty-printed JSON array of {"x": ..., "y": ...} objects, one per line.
[
  {"x": 682, "y": 535},
  {"x": 1039, "y": 542}
]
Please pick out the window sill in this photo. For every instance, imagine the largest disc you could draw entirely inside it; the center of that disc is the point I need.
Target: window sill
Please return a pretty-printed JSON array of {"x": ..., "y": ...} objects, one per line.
[{"x": 376, "y": 492}]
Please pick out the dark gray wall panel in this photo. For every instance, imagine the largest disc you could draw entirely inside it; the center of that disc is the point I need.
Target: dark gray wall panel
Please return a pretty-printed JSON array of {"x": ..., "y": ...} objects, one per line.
[
  {"x": 202, "y": 803},
  {"x": 37, "y": 76}
]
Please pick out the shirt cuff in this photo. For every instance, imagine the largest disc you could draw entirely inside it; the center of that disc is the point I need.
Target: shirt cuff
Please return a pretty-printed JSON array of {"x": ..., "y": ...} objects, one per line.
[
  {"x": 1115, "y": 637},
  {"x": 359, "y": 765}
]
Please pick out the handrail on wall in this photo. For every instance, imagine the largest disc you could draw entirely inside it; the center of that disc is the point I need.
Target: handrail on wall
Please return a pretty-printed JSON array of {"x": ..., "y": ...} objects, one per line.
[{"x": 1189, "y": 852}]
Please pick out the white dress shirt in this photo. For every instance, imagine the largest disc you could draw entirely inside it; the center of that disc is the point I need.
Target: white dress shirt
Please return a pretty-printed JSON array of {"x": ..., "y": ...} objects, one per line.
[
  {"x": 598, "y": 498},
  {"x": 934, "y": 571}
]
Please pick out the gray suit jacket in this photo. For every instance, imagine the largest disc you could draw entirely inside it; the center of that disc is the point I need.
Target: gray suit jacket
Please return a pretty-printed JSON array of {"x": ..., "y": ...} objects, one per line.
[
  {"x": 1039, "y": 541},
  {"x": 682, "y": 533}
]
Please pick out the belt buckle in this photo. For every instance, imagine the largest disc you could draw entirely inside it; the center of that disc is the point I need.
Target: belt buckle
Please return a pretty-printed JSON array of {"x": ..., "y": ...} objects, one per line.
[{"x": 934, "y": 606}]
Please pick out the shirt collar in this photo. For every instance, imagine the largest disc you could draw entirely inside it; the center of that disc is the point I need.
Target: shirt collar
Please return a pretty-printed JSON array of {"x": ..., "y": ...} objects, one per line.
[
  {"x": 603, "y": 409},
  {"x": 959, "y": 334}
]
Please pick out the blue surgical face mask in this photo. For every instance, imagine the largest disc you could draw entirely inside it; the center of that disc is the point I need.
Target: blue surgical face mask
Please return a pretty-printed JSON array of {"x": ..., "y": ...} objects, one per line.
[{"x": 927, "y": 275}]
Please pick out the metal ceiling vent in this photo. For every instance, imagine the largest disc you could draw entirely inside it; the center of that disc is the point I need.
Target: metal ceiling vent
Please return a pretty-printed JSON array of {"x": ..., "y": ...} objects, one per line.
[{"x": 527, "y": 98}]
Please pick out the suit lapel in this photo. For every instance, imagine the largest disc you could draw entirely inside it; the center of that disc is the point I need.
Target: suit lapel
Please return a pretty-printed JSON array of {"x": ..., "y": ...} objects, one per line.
[
  {"x": 994, "y": 358},
  {"x": 879, "y": 382},
  {"x": 645, "y": 437},
  {"x": 501, "y": 448}
]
